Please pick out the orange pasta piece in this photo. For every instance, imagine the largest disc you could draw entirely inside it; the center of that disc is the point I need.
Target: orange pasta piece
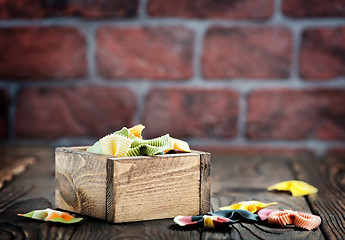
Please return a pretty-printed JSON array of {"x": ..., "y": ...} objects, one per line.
[
  {"x": 52, "y": 215},
  {"x": 136, "y": 130},
  {"x": 66, "y": 216},
  {"x": 307, "y": 221},
  {"x": 303, "y": 220}
]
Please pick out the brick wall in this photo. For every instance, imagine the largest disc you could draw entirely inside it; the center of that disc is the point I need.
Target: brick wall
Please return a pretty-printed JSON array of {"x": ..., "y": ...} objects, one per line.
[{"x": 248, "y": 76}]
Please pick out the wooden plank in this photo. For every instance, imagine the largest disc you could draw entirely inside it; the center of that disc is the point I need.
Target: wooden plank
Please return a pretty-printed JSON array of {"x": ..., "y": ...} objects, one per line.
[
  {"x": 248, "y": 172},
  {"x": 11, "y": 166},
  {"x": 156, "y": 187},
  {"x": 80, "y": 181},
  {"x": 259, "y": 230},
  {"x": 243, "y": 178},
  {"x": 328, "y": 203},
  {"x": 34, "y": 189},
  {"x": 37, "y": 179}
]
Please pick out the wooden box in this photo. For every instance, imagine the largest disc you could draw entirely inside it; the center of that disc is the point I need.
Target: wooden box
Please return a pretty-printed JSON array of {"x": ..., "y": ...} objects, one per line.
[{"x": 132, "y": 188}]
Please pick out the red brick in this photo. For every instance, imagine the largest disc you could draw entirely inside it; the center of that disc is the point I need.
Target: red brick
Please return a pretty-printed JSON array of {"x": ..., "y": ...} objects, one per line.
[
  {"x": 87, "y": 9},
  {"x": 191, "y": 113},
  {"x": 322, "y": 53},
  {"x": 4, "y": 106},
  {"x": 243, "y": 9},
  {"x": 248, "y": 52},
  {"x": 296, "y": 114},
  {"x": 74, "y": 111},
  {"x": 42, "y": 52},
  {"x": 314, "y": 8},
  {"x": 152, "y": 53}
]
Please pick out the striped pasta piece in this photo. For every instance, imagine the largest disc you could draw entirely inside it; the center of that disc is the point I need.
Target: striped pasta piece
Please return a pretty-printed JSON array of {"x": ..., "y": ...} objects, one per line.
[
  {"x": 115, "y": 144},
  {"x": 303, "y": 220},
  {"x": 51, "y": 215},
  {"x": 150, "y": 147},
  {"x": 307, "y": 221}
]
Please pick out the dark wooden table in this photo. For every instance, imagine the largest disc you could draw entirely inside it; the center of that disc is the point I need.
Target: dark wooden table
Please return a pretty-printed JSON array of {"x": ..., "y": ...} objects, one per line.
[{"x": 29, "y": 175}]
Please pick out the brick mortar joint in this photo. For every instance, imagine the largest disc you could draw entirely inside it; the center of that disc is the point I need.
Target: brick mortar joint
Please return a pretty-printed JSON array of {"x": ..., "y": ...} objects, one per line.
[{"x": 163, "y": 21}]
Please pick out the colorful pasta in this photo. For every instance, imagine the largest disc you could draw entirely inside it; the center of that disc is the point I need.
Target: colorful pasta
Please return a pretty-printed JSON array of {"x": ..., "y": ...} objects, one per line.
[
  {"x": 150, "y": 147},
  {"x": 136, "y": 130},
  {"x": 300, "y": 219},
  {"x": 217, "y": 219},
  {"x": 115, "y": 145},
  {"x": 264, "y": 213},
  {"x": 297, "y": 188},
  {"x": 129, "y": 142},
  {"x": 51, "y": 216},
  {"x": 251, "y": 206}
]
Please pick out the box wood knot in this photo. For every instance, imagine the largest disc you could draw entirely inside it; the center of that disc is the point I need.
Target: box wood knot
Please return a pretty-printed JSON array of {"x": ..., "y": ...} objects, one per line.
[{"x": 132, "y": 188}]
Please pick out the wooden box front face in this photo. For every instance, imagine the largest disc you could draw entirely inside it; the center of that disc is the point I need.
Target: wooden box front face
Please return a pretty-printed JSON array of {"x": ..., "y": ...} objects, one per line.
[
  {"x": 131, "y": 188},
  {"x": 80, "y": 181}
]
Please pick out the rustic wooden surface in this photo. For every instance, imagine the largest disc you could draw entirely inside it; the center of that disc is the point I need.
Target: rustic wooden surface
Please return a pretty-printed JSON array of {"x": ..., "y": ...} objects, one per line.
[
  {"x": 234, "y": 178},
  {"x": 13, "y": 166}
]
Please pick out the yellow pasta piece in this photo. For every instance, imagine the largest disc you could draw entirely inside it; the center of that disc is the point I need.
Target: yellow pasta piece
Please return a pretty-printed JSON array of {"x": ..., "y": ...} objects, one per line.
[
  {"x": 180, "y": 145},
  {"x": 136, "y": 130},
  {"x": 297, "y": 188},
  {"x": 251, "y": 206}
]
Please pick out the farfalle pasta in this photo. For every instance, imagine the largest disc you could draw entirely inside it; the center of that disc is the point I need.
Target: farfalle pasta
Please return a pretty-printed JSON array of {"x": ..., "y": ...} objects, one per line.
[
  {"x": 136, "y": 130},
  {"x": 251, "y": 206},
  {"x": 300, "y": 219},
  {"x": 264, "y": 213},
  {"x": 51, "y": 215},
  {"x": 129, "y": 142},
  {"x": 150, "y": 147},
  {"x": 201, "y": 221},
  {"x": 297, "y": 188},
  {"x": 217, "y": 219},
  {"x": 116, "y": 144}
]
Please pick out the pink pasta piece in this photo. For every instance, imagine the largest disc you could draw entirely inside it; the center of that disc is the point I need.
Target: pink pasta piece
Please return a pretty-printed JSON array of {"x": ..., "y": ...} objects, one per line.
[
  {"x": 303, "y": 220},
  {"x": 264, "y": 213}
]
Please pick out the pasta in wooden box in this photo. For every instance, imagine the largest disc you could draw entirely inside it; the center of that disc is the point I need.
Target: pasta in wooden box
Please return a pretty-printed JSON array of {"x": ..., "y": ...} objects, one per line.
[{"x": 123, "y": 178}]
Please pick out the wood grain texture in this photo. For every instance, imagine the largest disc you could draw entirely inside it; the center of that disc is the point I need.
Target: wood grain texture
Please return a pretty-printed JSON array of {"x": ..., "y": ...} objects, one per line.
[
  {"x": 329, "y": 201},
  {"x": 147, "y": 188},
  {"x": 205, "y": 181},
  {"x": 243, "y": 178},
  {"x": 11, "y": 166},
  {"x": 131, "y": 188},
  {"x": 81, "y": 181},
  {"x": 110, "y": 209}
]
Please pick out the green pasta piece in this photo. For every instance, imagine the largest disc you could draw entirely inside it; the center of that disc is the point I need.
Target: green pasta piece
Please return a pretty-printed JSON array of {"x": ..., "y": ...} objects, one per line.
[
  {"x": 96, "y": 148},
  {"x": 61, "y": 220},
  {"x": 124, "y": 132},
  {"x": 150, "y": 147}
]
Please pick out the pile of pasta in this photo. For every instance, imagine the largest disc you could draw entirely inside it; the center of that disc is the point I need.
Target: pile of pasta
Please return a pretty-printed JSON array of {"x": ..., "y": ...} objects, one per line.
[
  {"x": 251, "y": 212},
  {"x": 255, "y": 211},
  {"x": 128, "y": 142}
]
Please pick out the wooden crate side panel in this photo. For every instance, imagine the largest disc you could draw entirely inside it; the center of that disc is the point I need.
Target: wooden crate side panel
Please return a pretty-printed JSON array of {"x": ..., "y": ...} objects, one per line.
[
  {"x": 157, "y": 187},
  {"x": 80, "y": 182},
  {"x": 205, "y": 182}
]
